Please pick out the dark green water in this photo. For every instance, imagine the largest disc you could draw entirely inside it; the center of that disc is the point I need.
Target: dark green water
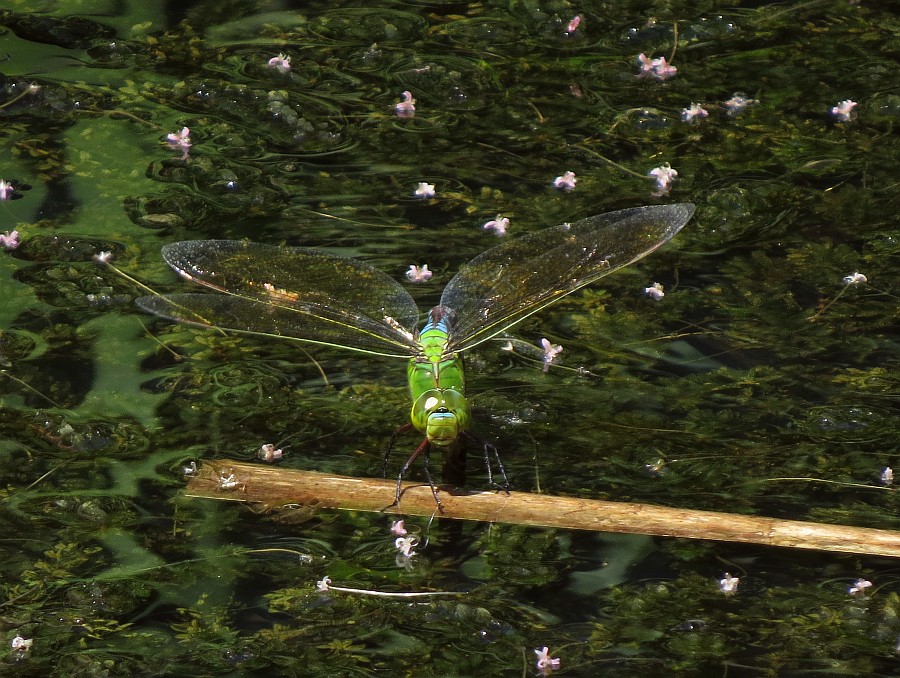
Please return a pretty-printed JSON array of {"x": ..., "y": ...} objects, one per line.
[{"x": 760, "y": 384}]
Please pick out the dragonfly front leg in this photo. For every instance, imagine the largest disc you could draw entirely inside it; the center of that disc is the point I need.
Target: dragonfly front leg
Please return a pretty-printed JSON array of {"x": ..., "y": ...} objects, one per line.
[{"x": 425, "y": 448}]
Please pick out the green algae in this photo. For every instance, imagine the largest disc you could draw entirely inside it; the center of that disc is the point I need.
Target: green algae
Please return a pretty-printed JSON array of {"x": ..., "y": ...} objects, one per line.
[{"x": 760, "y": 383}]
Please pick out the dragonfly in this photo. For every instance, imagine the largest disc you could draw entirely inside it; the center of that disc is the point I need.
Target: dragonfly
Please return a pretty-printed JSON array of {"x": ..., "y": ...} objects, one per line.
[{"x": 310, "y": 295}]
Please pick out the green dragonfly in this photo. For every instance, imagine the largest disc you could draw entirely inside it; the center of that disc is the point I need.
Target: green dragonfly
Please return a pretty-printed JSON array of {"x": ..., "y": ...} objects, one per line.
[{"x": 312, "y": 296}]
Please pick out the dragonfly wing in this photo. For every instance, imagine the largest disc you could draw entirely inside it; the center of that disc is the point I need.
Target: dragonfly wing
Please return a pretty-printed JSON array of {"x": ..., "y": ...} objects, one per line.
[
  {"x": 520, "y": 277},
  {"x": 291, "y": 292}
]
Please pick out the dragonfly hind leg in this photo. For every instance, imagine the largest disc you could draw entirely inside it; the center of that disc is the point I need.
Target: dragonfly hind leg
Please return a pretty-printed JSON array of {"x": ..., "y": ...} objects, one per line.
[
  {"x": 423, "y": 449},
  {"x": 489, "y": 450},
  {"x": 399, "y": 431}
]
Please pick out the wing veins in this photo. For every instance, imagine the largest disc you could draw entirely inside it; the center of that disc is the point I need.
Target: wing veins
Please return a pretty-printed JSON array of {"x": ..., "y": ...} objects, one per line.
[
  {"x": 516, "y": 279},
  {"x": 340, "y": 300}
]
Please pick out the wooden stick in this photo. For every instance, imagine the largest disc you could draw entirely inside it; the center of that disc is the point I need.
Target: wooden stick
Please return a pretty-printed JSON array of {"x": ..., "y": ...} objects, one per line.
[{"x": 275, "y": 487}]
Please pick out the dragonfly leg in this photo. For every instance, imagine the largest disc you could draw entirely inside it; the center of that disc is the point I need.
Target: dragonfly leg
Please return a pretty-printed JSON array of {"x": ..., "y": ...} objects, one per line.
[
  {"x": 423, "y": 448},
  {"x": 489, "y": 450},
  {"x": 425, "y": 459},
  {"x": 399, "y": 431}
]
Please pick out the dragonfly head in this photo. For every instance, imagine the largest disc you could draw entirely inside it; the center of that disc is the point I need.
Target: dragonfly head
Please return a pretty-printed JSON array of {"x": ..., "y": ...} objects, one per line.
[
  {"x": 441, "y": 414},
  {"x": 442, "y": 427}
]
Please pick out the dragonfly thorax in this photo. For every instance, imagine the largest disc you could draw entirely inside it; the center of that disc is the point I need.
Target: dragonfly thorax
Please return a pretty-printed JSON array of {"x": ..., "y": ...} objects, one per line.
[
  {"x": 434, "y": 337},
  {"x": 441, "y": 414}
]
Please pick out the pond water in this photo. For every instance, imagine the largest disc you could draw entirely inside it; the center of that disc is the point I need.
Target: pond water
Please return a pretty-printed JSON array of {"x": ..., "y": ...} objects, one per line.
[{"x": 764, "y": 381}]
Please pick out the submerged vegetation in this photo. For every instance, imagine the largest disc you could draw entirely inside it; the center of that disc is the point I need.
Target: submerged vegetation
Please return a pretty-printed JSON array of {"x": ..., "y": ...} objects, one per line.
[{"x": 761, "y": 375}]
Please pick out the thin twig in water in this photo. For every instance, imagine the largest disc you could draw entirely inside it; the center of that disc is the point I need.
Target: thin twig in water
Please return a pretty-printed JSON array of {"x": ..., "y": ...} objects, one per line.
[{"x": 325, "y": 585}]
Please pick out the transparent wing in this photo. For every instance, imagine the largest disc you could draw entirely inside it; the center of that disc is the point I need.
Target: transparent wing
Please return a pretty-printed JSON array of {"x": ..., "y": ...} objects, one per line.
[
  {"x": 292, "y": 292},
  {"x": 520, "y": 277}
]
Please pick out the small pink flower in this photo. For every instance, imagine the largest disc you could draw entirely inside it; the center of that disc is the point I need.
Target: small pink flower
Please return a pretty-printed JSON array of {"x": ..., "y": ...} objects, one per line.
[
  {"x": 728, "y": 584},
  {"x": 398, "y": 529},
  {"x": 21, "y": 645},
  {"x": 551, "y": 351},
  {"x": 498, "y": 225},
  {"x": 859, "y": 587},
  {"x": 663, "y": 70},
  {"x": 645, "y": 63},
  {"x": 103, "y": 257},
  {"x": 407, "y": 107},
  {"x": 887, "y": 476},
  {"x": 655, "y": 291},
  {"x": 424, "y": 190},
  {"x": 658, "y": 69},
  {"x": 855, "y": 278},
  {"x": 738, "y": 103},
  {"x": 405, "y": 546},
  {"x": 281, "y": 63},
  {"x": 181, "y": 141},
  {"x": 269, "y": 453},
  {"x": 9, "y": 240},
  {"x": 573, "y": 24},
  {"x": 664, "y": 175},
  {"x": 417, "y": 275},
  {"x": 566, "y": 182},
  {"x": 843, "y": 112},
  {"x": 6, "y": 190},
  {"x": 694, "y": 113},
  {"x": 545, "y": 663}
]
